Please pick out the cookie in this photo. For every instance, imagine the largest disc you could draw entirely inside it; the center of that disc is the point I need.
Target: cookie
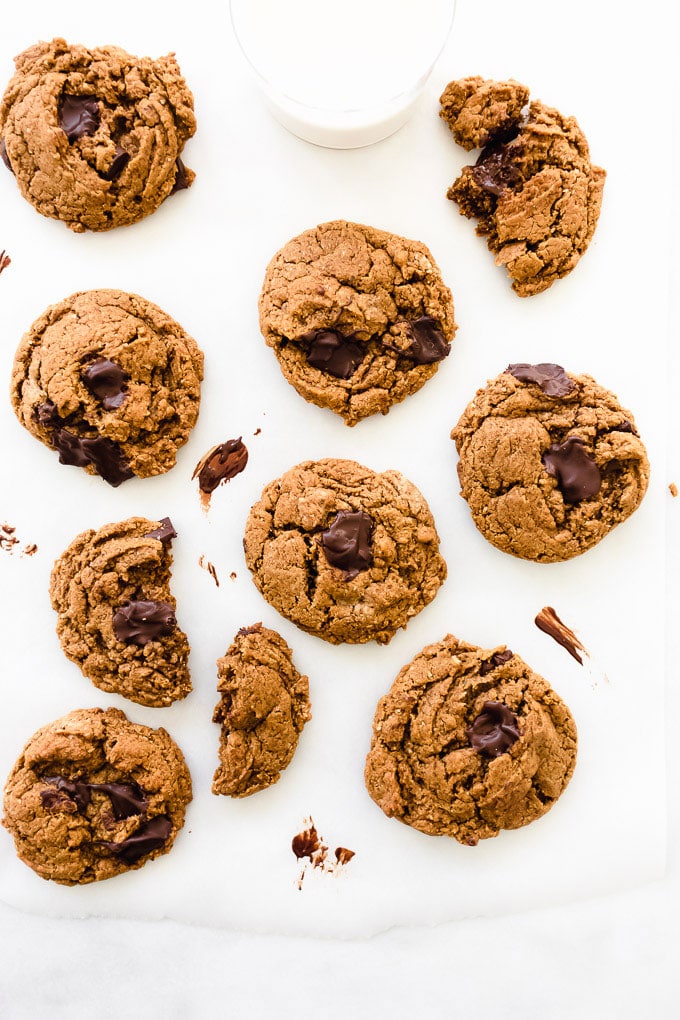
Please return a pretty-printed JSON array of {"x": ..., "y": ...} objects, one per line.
[
  {"x": 346, "y": 553},
  {"x": 549, "y": 462},
  {"x": 357, "y": 317},
  {"x": 93, "y": 795},
  {"x": 116, "y": 614},
  {"x": 469, "y": 741},
  {"x": 263, "y": 706},
  {"x": 110, "y": 382},
  {"x": 94, "y": 136},
  {"x": 533, "y": 190}
]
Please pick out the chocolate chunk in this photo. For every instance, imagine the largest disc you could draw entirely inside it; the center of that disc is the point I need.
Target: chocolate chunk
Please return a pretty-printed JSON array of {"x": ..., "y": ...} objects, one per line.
[
  {"x": 78, "y": 116},
  {"x": 149, "y": 836},
  {"x": 552, "y": 379},
  {"x": 625, "y": 426},
  {"x": 495, "y": 171},
  {"x": 549, "y": 622},
  {"x": 75, "y": 790},
  {"x": 347, "y": 543},
  {"x": 120, "y": 161},
  {"x": 164, "y": 533},
  {"x": 127, "y": 799},
  {"x": 102, "y": 453},
  {"x": 578, "y": 476},
  {"x": 46, "y": 414},
  {"x": 306, "y": 843},
  {"x": 220, "y": 464},
  {"x": 497, "y": 659},
  {"x": 332, "y": 352},
  {"x": 138, "y": 623},
  {"x": 612, "y": 467},
  {"x": 107, "y": 382},
  {"x": 4, "y": 156},
  {"x": 427, "y": 342},
  {"x": 181, "y": 178},
  {"x": 495, "y": 730}
]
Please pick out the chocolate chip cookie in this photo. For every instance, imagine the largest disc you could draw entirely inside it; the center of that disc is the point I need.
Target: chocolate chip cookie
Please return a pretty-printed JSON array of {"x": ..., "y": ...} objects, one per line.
[
  {"x": 357, "y": 317},
  {"x": 110, "y": 382},
  {"x": 469, "y": 741},
  {"x": 263, "y": 706},
  {"x": 346, "y": 553},
  {"x": 94, "y": 795},
  {"x": 549, "y": 462},
  {"x": 116, "y": 614},
  {"x": 533, "y": 190},
  {"x": 94, "y": 136}
]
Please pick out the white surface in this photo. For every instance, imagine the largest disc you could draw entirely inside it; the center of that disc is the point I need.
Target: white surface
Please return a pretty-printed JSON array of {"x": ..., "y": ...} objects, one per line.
[{"x": 606, "y": 957}]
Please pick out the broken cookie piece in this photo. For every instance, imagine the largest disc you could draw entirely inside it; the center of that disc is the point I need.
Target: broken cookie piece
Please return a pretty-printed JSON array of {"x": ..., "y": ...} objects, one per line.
[
  {"x": 533, "y": 190},
  {"x": 263, "y": 707},
  {"x": 116, "y": 614}
]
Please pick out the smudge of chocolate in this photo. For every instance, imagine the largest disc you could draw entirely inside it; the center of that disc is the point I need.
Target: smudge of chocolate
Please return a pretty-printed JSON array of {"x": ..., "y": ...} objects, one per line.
[
  {"x": 78, "y": 116},
  {"x": 549, "y": 622},
  {"x": 104, "y": 455},
  {"x": 29, "y": 550},
  {"x": 5, "y": 260},
  {"x": 8, "y": 539},
  {"x": 4, "y": 157},
  {"x": 495, "y": 170},
  {"x": 343, "y": 855},
  {"x": 331, "y": 351},
  {"x": 106, "y": 381},
  {"x": 257, "y": 432},
  {"x": 149, "y": 836},
  {"x": 625, "y": 426},
  {"x": 306, "y": 843},
  {"x": 495, "y": 730},
  {"x": 255, "y": 628},
  {"x": 347, "y": 542},
  {"x": 127, "y": 799},
  {"x": 209, "y": 568},
  {"x": 497, "y": 659},
  {"x": 165, "y": 531},
  {"x": 181, "y": 177},
  {"x": 120, "y": 160},
  {"x": 138, "y": 623},
  {"x": 428, "y": 344},
  {"x": 578, "y": 476},
  {"x": 552, "y": 379},
  {"x": 220, "y": 464},
  {"x": 233, "y": 575}
]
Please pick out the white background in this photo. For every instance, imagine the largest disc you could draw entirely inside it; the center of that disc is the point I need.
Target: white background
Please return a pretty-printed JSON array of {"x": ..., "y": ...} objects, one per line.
[{"x": 203, "y": 261}]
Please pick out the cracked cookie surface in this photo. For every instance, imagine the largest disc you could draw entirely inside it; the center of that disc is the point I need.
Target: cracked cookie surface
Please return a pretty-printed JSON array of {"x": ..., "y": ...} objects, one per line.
[
  {"x": 94, "y": 136},
  {"x": 93, "y": 795},
  {"x": 427, "y": 765},
  {"x": 346, "y": 553},
  {"x": 548, "y": 476},
  {"x": 116, "y": 613},
  {"x": 533, "y": 190},
  {"x": 358, "y": 318},
  {"x": 111, "y": 382},
  {"x": 263, "y": 707}
]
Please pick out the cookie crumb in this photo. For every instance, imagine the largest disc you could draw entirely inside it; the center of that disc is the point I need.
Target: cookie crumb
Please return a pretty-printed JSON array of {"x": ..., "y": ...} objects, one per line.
[
  {"x": 673, "y": 489},
  {"x": 309, "y": 844},
  {"x": 9, "y": 541},
  {"x": 257, "y": 432},
  {"x": 209, "y": 567},
  {"x": 549, "y": 622},
  {"x": 233, "y": 575},
  {"x": 29, "y": 550},
  {"x": 5, "y": 260},
  {"x": 220, "y": 464}
]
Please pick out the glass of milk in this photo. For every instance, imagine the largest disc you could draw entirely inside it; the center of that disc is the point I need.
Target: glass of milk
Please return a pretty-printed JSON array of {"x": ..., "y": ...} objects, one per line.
[{"x": 342, "y": 73}]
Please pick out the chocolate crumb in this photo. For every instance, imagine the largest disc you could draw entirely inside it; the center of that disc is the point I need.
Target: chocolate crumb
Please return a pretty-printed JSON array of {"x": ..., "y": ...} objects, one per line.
[
  {"x": 9, "y": 541},
  {"x": 233, "y": 575},
  {"x": 306, "y": 843},
  {"x": 5, "y": 260},
  {"x": 209, "y": 567},
  {"x": 309, "y": 844},
  {"x": 343, "y": 855},
  {"x": 257, "y": 432},
  {"x": 549, "y": 622},
  {"x": 673, "y": 489},
  {"x": 29, "y": 550}
]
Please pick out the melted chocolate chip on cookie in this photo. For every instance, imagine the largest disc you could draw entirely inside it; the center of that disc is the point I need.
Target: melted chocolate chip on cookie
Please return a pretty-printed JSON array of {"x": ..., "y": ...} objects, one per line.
[
  {"x": 496, "y": 660},
  {"x": 331, "y": 351},
  {"x": 140, "y": 622},
  {"x": 578, "y": 476},
  {"x": 495, "y": 730},
  {"x": 347, "y": 543},
  {"x": 107, "y": 381},
  {"x": 552, "y": 379},
  {"x": 149, "y": 836},
  {"x": 78, "y": 116},
  {"x": 104, "y": 455},
  {"x": 165, "y": 532}
]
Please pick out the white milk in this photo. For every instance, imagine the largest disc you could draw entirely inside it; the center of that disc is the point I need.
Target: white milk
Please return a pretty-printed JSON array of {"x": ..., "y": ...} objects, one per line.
[{"x": 342, "y": 73}]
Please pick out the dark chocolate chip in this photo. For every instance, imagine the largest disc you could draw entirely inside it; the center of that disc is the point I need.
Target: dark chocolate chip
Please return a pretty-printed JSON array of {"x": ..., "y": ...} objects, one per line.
[
  {"x": 149, "y": 836},
  {"x": 76, "y": 790},
  {"x": 120, "y": 161},
  {"x": 164, "y": 533},
  {"x": 578, "y": 476},
  {"x": 625, "y": 426},
  {"x": 347, "y": 543},
  {"x": 46, "y": 414},
  {"x": 495, "y": 171},
  {"x": 332, "y": 352},
  {"x": 138, "y": 623},
  {"x": 127, "y": 799},
  {"x": 78, "y": 116},
  {"x": 497, "y": 659},
  {"x": 102, "y": 453},
  {"x": 181, "y": 178},
  {"x": 107, "y": 381},
  {"x": 220, "y": 464},
  {"x": 495, "y": 730},
  {"x": 552, "y": 379},
  {"x": 4, "y": 156},
  {"x": 305, "y": 843},
  {"x": 427, "y": 342}
]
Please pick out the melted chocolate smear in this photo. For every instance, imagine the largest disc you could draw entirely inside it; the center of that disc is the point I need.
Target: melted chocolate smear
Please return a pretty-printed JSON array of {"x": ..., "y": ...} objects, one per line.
[
  {"x": 107, "y": 381},
  {"x": 4, "y": 156},
  {"x": 121, "y": 159},
  {"x": 149, "y": 836},
  {"x": 497, "y": 659},
  {"x": 102, "y": 453},
  {"x": 5, "y": 260},
  {"x": 78, "y": 116},
  {"x": 181, "y": 178},
  {"x": 165, "y": 531},
  {"x": 221, "y": 464},
  {"x": 332, "y": 352},
  {"x": 127, "y": 799},
  {"x": 495, "y": 730},
  {"x": 549, "y": 622},
  {"x": 306, "y": 843},
  {"x": 343, "y": 855},
  {"x": 495, "y": 170},
  {"x": 427, "y": 342},
  {"x": 578, "y": 476},
  {"x": 138, "y": 623},
  {"x": 347, "y": 543},
  {"x": 75, "y": 789},
  {"x": 552, "y": 379},
  {"x": 46, "y": 414}
]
